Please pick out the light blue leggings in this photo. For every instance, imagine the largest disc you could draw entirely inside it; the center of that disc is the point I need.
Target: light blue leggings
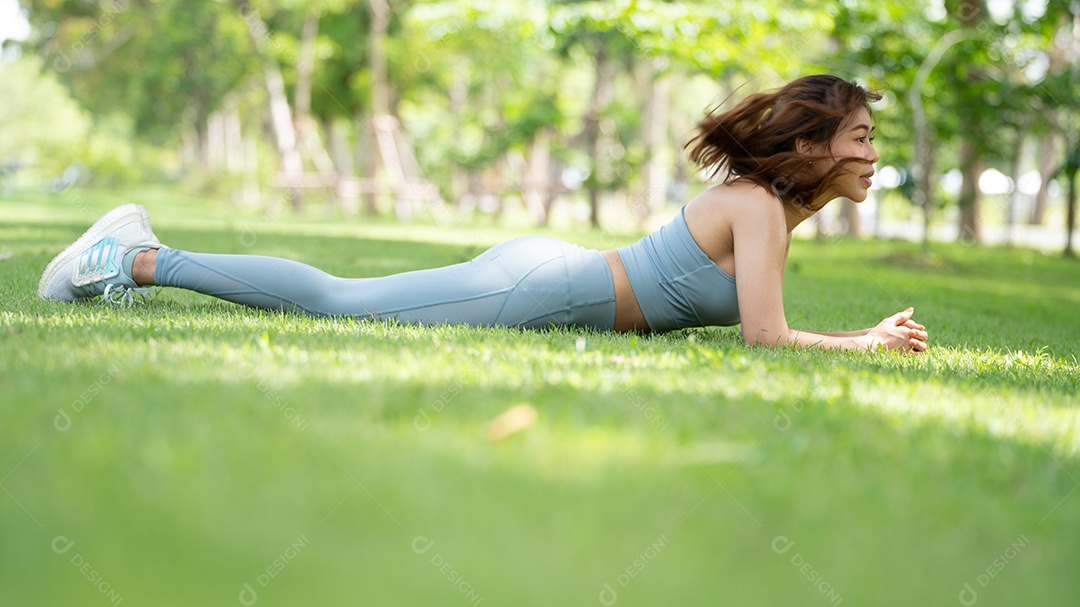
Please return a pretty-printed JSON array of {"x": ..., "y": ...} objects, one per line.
[{"x": 528, "y": 282}]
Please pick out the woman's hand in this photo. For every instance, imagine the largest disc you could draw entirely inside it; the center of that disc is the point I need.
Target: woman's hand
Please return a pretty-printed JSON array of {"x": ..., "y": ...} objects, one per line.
[{"x": 898, "y": 332}]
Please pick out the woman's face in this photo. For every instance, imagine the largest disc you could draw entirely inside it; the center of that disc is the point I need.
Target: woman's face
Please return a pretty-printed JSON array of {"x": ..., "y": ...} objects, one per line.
[{"x": 854, "y": 139}]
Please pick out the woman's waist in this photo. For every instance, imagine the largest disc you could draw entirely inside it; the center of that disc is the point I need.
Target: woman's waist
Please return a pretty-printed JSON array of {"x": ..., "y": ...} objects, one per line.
[{"x": 676, "y": 289}]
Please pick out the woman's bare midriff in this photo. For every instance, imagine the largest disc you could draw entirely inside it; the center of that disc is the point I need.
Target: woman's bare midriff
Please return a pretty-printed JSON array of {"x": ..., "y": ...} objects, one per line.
[{"x": 628, "y": 316}]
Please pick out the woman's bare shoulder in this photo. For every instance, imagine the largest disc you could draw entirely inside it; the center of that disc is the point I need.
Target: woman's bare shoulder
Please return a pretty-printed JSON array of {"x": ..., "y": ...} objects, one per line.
[{"x": 737, "y": 200}]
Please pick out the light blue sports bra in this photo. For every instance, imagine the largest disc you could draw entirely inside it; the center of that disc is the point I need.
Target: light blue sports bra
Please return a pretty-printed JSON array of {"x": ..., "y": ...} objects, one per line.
[{"x": 676, "y": 284}]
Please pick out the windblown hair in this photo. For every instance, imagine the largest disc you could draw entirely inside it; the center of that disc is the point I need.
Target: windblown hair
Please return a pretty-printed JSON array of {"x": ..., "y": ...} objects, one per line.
[{"x": 755, "y": 140}]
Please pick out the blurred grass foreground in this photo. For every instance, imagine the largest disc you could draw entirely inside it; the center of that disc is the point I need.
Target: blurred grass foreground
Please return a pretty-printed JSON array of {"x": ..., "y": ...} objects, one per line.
[{"x": 195, "y": 452}]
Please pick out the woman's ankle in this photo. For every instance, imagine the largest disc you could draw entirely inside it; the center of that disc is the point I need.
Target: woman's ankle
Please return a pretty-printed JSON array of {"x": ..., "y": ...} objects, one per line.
[{"x": 142, "y": 268}]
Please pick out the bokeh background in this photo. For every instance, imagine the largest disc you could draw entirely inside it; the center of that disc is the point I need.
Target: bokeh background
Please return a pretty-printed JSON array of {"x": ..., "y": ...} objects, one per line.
[{"x": 533, "y": 112}]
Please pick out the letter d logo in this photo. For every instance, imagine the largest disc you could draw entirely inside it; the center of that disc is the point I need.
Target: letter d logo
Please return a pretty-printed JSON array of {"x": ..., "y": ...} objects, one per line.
[
  {"x": 62, "y": 421},
  {"x": 62, "y": 63},
  {"x": 421, "y": 544},
  {"x": 608, "y": 596},
  {"x": 61, "y": 544},
  {"x": 968, "y": 596},
  {"x": 781, "y": 544},
  {"x": 782, "y": 421},
  {"x": 248, "y": 596},
  {"x": 422, "y": 421}
]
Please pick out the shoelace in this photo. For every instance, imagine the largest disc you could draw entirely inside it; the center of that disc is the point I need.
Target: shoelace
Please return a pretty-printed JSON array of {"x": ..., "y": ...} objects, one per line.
[{"x": 123, "y": 295}]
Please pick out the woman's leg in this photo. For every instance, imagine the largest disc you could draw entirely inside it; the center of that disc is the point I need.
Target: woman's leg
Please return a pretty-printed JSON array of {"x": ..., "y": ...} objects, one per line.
[{"x": 526, "y": 282}]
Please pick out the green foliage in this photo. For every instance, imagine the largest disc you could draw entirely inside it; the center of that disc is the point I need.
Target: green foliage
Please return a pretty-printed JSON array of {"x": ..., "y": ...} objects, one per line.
[
  {"x": 43, "y": 128},
  {"x": 166, "y": 64},
  {"x": 46, "y": 132},
  {"x": 343, "y": 87},
  {"x": 987, "y": 89},
  {"x": 514, "y": 67}
]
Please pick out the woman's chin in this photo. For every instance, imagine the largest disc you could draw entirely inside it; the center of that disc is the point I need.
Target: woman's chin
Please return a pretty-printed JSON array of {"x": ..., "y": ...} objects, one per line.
[{"x": 859, "y": 195}]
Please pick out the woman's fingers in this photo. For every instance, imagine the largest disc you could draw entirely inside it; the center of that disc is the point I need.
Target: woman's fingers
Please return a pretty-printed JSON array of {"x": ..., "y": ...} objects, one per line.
[
  {"x": 911, "y": 324},
  {"x": 915, "y": 345},
  {"x": 901, "y": 318}
]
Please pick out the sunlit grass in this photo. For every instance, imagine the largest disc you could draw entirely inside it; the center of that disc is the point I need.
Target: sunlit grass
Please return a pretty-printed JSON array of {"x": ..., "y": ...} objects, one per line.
[{"x": 186, "y": 444}]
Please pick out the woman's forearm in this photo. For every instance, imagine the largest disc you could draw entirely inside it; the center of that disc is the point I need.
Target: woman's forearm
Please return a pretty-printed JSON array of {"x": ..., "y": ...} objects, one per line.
[
  {"x": 850, "y": 340},
  {"x": 854, "y": 340},
  {"x": 858, "y": 333}
]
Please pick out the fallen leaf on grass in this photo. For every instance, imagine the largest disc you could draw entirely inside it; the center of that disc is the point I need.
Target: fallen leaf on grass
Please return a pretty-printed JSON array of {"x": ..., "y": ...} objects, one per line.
[{"x": 514, "y": 420}]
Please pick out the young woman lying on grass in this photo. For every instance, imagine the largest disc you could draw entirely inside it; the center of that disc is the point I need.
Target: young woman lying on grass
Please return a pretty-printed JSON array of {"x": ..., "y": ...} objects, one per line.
[{"x": 783, "y": 156}]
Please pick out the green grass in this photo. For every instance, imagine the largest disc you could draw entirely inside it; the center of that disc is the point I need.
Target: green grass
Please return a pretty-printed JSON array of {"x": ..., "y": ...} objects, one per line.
[{"x": 203, "y": 442}]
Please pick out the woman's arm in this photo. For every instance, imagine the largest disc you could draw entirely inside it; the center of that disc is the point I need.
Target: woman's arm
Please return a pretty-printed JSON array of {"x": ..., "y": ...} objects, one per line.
[
  {"x": 840, "y": 333},
  {"x": 895, "y": 332},
  {"x": 759, "y": 233}
]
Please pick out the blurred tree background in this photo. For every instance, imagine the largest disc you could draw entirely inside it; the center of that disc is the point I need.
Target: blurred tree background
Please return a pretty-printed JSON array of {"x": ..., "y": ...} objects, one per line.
[{"x": 536, "y": 108}]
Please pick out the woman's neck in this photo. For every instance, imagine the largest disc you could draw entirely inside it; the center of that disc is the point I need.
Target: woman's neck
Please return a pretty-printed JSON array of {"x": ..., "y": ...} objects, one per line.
[{"x": 796, "y": 214}]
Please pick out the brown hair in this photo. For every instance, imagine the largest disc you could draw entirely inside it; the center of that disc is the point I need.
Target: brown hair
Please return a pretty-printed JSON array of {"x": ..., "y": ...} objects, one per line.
[{"x": 755, "y": 140}]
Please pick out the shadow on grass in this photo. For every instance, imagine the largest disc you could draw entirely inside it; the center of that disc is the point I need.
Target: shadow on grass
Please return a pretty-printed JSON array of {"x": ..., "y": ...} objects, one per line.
[{"x": 209, "y": 478}]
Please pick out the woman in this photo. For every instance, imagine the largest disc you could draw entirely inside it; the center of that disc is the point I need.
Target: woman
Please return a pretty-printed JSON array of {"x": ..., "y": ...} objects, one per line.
[{"x": 783, "y": 155}]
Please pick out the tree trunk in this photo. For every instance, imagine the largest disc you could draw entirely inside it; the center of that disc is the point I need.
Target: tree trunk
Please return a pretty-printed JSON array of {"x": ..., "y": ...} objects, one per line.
[
  {"x": 970, "y": 202},
  {"x": 654, "y": 129},
  {"x": 601, "y": 97},
  {"x": 215, "y": 139},
  {"x": 251, "y": 170},
  {"x": 234, "y": 136},
  {"x": 459, "y": 101},
  {"x": 305, "y": 64},
  {"x": 406, "y": 181},
  {"x": 534, "y": 189},
  {"x": 680, "y": 126},
  {"x": 925, "y": 154},
  {"x": 1017, "y": 167},
  {"x": 386, "y": 126},
  {"x": 280, "y": 112},
  {"x": 972, "y": 14},
  {"x": 1047, "y": 150},
  {"x": 1070, "y": 220},
  {"x": 499, "y": 170},
  {"x": 380, "y": 87},
  {"x": 306, "y": 128},
  {"x": 367, "y": 160},
  {"x": 850, "y": 222},
  {"x": 188, "y": 150},
  {"x": 348, "y": 198},
  {"x": 202, "y": 144},
  {"x": 1048, "y": 155}
]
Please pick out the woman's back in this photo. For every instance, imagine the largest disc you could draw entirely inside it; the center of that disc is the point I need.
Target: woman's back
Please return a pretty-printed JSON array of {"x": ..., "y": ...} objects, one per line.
[{"x": 712, "y": 217}]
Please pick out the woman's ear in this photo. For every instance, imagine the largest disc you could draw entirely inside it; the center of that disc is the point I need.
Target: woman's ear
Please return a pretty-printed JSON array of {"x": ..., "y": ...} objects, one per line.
[{"x": 803, "y": 146}]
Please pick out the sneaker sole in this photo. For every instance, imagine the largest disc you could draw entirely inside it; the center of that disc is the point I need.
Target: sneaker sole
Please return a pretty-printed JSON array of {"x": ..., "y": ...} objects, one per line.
[{"x": 101, "y": 228}]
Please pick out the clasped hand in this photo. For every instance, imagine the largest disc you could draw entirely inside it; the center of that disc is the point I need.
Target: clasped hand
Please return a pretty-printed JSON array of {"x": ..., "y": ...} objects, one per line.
[{"x": 898, "y": 332}]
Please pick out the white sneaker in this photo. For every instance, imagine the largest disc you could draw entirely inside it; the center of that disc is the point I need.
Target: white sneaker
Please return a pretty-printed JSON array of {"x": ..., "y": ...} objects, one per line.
[{"x": 93, "y": 265}]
